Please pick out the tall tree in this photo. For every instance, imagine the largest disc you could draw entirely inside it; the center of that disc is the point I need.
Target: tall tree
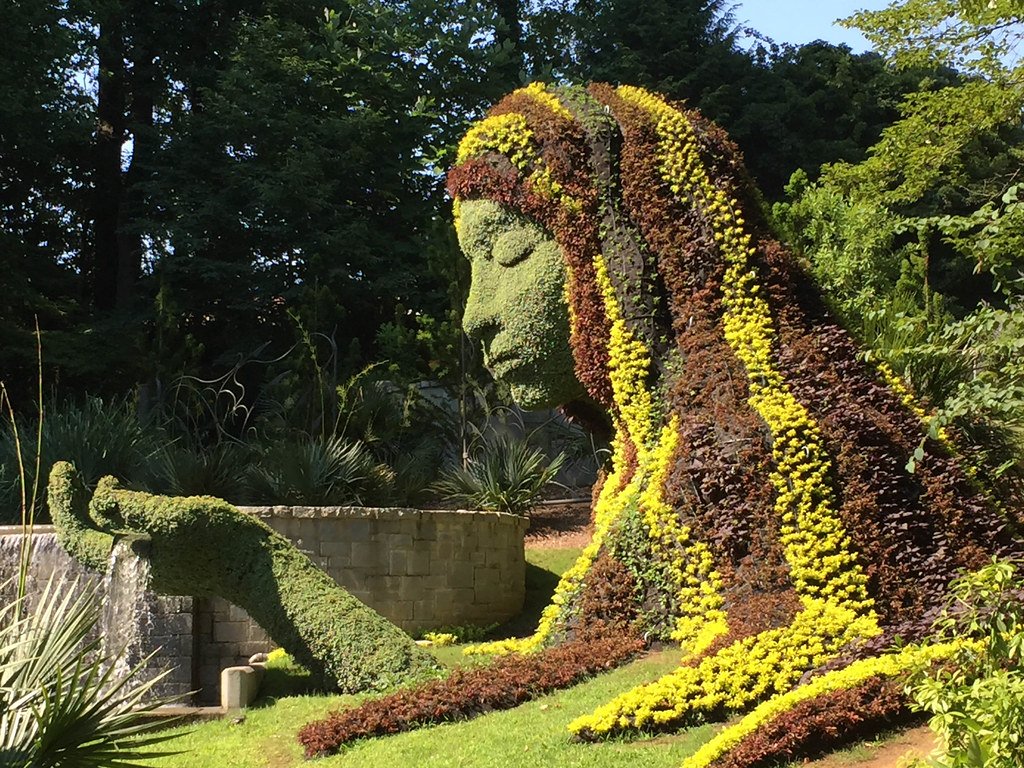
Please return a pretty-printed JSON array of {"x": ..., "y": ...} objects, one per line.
[
  {"x": 919, "y": 244},
  {"x": 44, "y": 128}
]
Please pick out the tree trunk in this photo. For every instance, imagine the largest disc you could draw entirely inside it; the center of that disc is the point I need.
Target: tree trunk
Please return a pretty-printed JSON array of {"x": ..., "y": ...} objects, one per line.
[{"x": 103, "y": 266}]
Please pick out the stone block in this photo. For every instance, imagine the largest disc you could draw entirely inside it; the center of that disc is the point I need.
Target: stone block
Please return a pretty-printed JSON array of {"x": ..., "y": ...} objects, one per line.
[
  {"x": 401, "y": 541},
  {"x": 398, "y": 561},
  {"x": 368, "y": 557},
  {"x": 417, "y": 563},
  {"x": 357, "y": 530},
  {"x": 400, "y": 611},
  {"x": 332, "y": 549},
  {"x": 175, "y": 624},
  {"x": 239, "y": 686},
  {"x": 237, "y": 614},
  {"x": 230, "y": 632}
]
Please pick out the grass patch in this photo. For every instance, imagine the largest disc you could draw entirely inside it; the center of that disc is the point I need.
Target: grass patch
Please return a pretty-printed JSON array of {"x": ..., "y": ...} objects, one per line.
[
  {"x": 544, "y": 567},
  {"x": 533, "y": 734}
]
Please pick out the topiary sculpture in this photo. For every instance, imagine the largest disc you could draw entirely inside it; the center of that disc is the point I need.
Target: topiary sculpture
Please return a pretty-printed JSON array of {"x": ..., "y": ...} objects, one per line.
[
  {"x": 760, "y": 491},
  {"x": 202, "y": 546}
]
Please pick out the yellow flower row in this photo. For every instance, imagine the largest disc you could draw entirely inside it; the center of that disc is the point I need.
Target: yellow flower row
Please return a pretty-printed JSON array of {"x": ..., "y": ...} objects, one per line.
[
  {"x": 738, "y": 675},
  {"x": 510, "y": 136},
  {"x": 897, "y": 385},
  {"x": 690, "y": 564},
  {"x": 814, "y": 539},
  {"x": 890, "y": 665},
  {"x": 611, "y": 502}
]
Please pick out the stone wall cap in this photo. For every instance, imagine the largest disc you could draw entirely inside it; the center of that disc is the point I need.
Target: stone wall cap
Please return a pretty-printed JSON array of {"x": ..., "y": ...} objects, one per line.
[
  {"x": 374, "y": 513},
  {"x": 17, "y": 530}
]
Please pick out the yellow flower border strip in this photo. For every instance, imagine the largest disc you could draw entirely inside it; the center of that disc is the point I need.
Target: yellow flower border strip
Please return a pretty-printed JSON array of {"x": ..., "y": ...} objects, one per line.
[
  {"x": 610, "y": 504},
  {"x": 738, "y": 675},
  {"x": 690, "y": 564},
  {"x": 858, "y": 672}
]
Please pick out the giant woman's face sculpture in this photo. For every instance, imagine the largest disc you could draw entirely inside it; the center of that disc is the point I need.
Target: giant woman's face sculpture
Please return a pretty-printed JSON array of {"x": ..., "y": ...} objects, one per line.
[{"x": 517, "y": 305}]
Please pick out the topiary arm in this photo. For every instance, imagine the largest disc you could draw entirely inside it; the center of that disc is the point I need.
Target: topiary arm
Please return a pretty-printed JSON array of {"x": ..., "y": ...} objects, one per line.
[
  {"x": 69, "y": 509},
  {"x": 203, "y": 546}
]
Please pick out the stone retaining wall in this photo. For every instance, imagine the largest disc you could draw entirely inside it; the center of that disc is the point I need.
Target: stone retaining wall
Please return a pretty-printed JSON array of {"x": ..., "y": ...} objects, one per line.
[
  {"x": 421, "y": 569},
  {"x": 162, "y": 621}
]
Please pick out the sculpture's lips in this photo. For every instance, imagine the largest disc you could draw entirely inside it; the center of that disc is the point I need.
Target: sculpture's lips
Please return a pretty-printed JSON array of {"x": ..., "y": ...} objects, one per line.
[{"x": 503, "y": 363}]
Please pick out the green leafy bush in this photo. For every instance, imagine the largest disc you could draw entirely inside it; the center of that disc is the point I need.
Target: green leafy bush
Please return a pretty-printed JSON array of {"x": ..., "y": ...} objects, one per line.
[
  {"x": 977, "y": 699},
  {"x": 283, "y": 676},
  {"x": 504, "y": 474},
  {"x": 316, "y": 471},
  {"x": 184, "y": 470},
  {"x": 199, "y": 545}
]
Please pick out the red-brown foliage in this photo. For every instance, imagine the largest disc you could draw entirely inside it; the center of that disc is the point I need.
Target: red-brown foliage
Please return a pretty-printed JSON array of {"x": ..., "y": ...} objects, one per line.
[
  {"x": 823, "y": 724},
  {"x": 505, "y": 683}
]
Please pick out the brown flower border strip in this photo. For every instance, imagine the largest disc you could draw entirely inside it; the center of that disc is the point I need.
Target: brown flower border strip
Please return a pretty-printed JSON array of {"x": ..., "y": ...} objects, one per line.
[
  {"x": 505, "y": 683},
  {"x": 820, "y": 725}
]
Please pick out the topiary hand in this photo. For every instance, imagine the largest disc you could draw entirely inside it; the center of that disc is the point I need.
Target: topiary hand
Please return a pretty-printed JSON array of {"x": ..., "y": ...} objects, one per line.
[{"x": 203, "y": 546}]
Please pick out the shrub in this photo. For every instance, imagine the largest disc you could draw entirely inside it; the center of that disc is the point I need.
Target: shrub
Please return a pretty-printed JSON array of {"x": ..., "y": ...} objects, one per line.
[
  {"x": 317, "y": 471},
  {"x": 199, "y": 545},
  {"x": 505, "y": 475},
  {"x": 283, "y": 676},
  {"x": 183, "y": 470},
  {"x": 977, "y": 698}
]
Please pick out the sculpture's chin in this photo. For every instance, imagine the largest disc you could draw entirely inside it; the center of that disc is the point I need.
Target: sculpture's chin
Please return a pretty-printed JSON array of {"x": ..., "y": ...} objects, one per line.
[{"x": 533, "y": 398}]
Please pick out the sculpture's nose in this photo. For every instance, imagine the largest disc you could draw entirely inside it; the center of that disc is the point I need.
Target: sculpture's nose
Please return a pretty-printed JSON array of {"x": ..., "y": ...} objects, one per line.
[{"x": 480, "y": 321}]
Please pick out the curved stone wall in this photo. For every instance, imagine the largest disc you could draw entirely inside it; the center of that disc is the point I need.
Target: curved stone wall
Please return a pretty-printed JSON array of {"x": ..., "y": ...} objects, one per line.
[{"x": 421, "y": 569}]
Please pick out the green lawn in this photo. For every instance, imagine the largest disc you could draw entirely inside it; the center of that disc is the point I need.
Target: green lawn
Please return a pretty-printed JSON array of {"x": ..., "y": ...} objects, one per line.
[
  {"x": 534, "y": 734},
  {"x": 531, "y": 735}
]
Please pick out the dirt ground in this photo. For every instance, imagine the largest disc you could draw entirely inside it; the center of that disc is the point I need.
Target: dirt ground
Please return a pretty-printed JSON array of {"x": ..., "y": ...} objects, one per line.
[
  {"x": 887, "y": 753},
  {"x": 557, "y": 524},
  {"x": 561, "y": 523}
]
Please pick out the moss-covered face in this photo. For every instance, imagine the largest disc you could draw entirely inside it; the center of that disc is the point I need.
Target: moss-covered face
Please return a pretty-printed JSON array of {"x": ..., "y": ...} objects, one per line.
[{"x": 517, "y": 305}]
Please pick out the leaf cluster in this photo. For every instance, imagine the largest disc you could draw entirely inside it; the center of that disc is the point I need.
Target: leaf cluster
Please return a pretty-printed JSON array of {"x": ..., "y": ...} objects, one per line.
[
  {"x": 505, "y": 474},
  {"x": 976, "y": 700},
  {"x": 60, "y": 702}
]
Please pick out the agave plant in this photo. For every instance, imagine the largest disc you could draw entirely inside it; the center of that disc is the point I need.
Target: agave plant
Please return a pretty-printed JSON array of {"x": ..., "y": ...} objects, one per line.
[
  {"x": 60, "y": 704},
  {"x": 318, "y": 472},
  {"x": 504, "y": 474},
  {"x": 103, "y": 438},
  {"x": 183, "y": 470}
]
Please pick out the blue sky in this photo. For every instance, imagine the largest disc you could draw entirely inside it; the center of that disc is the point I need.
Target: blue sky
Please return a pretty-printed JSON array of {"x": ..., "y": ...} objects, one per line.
[{"x": 801, "y": 21}]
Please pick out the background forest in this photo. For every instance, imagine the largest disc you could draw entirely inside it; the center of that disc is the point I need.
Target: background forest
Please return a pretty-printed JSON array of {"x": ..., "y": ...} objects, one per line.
[{"x": 227, "y": 219}]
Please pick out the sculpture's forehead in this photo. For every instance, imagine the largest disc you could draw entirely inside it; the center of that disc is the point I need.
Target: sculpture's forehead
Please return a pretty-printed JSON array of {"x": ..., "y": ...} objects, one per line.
[{"x": 480, "y": 220}]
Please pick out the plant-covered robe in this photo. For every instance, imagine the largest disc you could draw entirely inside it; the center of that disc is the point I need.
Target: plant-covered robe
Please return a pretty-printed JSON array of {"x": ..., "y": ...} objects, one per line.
[{"x": 760, "y": 491}]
